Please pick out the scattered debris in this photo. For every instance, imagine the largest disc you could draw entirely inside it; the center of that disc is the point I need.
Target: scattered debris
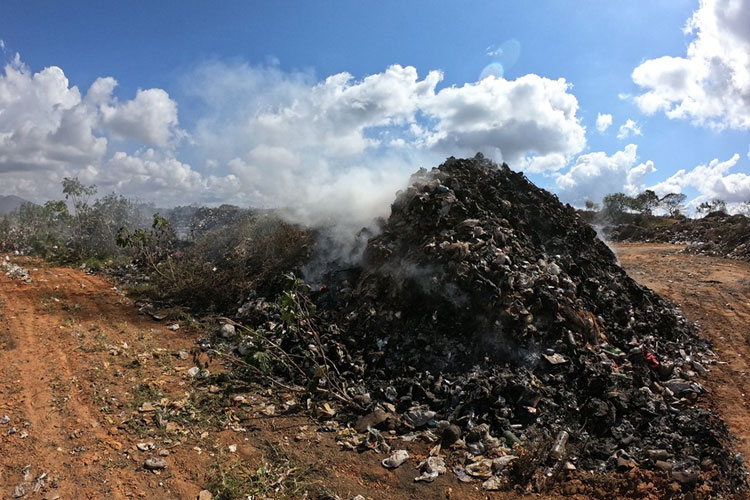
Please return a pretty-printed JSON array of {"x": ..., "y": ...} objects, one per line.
[
  {"x": 431, "y": 469},
  {"x": 396, "y": 460},
  {"x": 155, "y": 464},
  {"x": 488, "y": 317},
  {"x": 14, "y": 271}
]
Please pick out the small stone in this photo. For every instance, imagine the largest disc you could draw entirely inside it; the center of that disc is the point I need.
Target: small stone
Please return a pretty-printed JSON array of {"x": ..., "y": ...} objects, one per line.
[
  {"x": 145, "y": 446},
  {"x": 19, "y": 491},
  {"x": 194, "y": 371},
  {"x": 205, "y": 495},
  {"x": 685, "y": 477},
  {"x": 174, "y": 327},
  {"x": 663, "y": 465},
  {"x": 173, "y": 427},
  {"x": 51, "y": 495},
  {"x": 228, "y": 331},
  {"x": 5, "y": 420},
  {"x": 657, "y": 454},
  {"x": 232, "y": 448},
  {"x": 146, "y": 407},
  {"x": 155, "y": 464}
]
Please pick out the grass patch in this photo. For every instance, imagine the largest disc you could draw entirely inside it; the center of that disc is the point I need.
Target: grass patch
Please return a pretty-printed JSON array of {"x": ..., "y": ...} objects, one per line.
[
  {"x": 145, "y": 393},
  {"x": 278, "y": 476}
]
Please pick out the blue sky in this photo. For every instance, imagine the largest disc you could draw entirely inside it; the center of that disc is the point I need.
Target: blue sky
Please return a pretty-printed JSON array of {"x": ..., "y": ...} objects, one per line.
[{"x": 224, "y": 85}]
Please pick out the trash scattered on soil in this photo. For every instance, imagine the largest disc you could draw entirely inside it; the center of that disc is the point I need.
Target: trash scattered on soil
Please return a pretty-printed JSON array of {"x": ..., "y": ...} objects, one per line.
[
  {"x": 14, "y": 271},
  {"x": 396, "y": 460},
  {"x": 716, "y": 235}
]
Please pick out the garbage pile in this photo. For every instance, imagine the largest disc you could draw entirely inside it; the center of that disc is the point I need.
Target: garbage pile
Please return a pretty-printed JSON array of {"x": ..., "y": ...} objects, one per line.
[
  {"x": 488, "y": 318},
  {"x": 716, "y": 235},
  {"x": 14, "y": 271}
]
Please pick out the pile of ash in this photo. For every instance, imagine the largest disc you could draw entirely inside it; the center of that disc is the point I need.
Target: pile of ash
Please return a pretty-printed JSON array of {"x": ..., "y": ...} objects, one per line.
[{"x": 488, "y": 314}]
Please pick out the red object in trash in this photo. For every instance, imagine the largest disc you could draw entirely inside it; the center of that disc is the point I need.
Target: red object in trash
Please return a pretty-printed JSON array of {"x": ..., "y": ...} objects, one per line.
[{"x": 651, "y": 360}]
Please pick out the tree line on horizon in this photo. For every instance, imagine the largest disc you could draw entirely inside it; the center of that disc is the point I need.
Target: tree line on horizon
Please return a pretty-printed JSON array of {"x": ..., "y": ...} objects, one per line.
[{"x": 648, "y": 202}]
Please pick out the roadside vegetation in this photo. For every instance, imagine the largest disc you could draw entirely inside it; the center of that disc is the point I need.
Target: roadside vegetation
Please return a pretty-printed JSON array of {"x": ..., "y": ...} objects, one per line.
[{"x": 207, "y": 259}]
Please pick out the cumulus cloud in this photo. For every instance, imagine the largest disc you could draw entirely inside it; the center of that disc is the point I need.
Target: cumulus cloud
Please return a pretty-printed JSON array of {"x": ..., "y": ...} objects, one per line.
[
  {"x": 44, "y": 124},
  {"x": 595, "y": 175},
  {"x": 603, "y": 122},
  {"x": 50, "y": 130},
  {"x": 710, "y": 85},
  {"x": 265, "y": 137},
  {"x": 150, "y": 118},
  {"x": 321, "y": 145},
  {"x": 712, "y": 181},
  {"x": 628, "y": 129},
  {"x": 529, "y": 122}
]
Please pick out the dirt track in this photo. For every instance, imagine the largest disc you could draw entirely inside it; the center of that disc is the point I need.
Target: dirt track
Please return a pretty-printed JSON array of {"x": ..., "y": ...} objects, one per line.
[
  {"x": 77, "y": 362},
  {"x": 67, "y": 381}
]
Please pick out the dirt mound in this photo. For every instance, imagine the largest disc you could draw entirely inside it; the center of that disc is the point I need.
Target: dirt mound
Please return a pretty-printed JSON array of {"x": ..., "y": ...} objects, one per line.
[{"x": 486, "y": 310}]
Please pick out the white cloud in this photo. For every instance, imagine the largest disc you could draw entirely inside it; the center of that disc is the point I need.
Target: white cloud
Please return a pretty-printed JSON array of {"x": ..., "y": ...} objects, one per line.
[
  {"x": 49, "y": 130},
  {"x": 628, "y": 129},
  {"x": 529, "y": 122},
  {"x": 291, "y": 140},
  {"x": 150, "y": 118},
  {"x": 711, "y": 84},
  {"x": 603, "y": 122},
  {"x": 331, "y": 147},
  {"x": 595, "y": 175},
  {"x": 44, "y": 124},
  {"x": 712, "y": 181}
]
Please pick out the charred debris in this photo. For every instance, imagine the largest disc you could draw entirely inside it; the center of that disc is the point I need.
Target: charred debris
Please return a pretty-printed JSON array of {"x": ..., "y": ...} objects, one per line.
[{"x": 488, "y": 319}]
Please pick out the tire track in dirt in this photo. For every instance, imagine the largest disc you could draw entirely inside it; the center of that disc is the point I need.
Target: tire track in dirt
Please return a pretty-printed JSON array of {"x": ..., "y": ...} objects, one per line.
[
  {"x": 57, "y": 378},
  {"x": 63, "y": 435}
]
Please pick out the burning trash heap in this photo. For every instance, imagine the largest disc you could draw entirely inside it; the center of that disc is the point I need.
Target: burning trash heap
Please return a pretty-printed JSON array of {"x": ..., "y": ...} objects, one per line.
[{"x": 488, "y": 316}]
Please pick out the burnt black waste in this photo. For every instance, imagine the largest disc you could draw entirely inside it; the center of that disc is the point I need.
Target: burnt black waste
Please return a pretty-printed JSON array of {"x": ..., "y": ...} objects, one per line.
[{"x": 492, "y": 310}]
